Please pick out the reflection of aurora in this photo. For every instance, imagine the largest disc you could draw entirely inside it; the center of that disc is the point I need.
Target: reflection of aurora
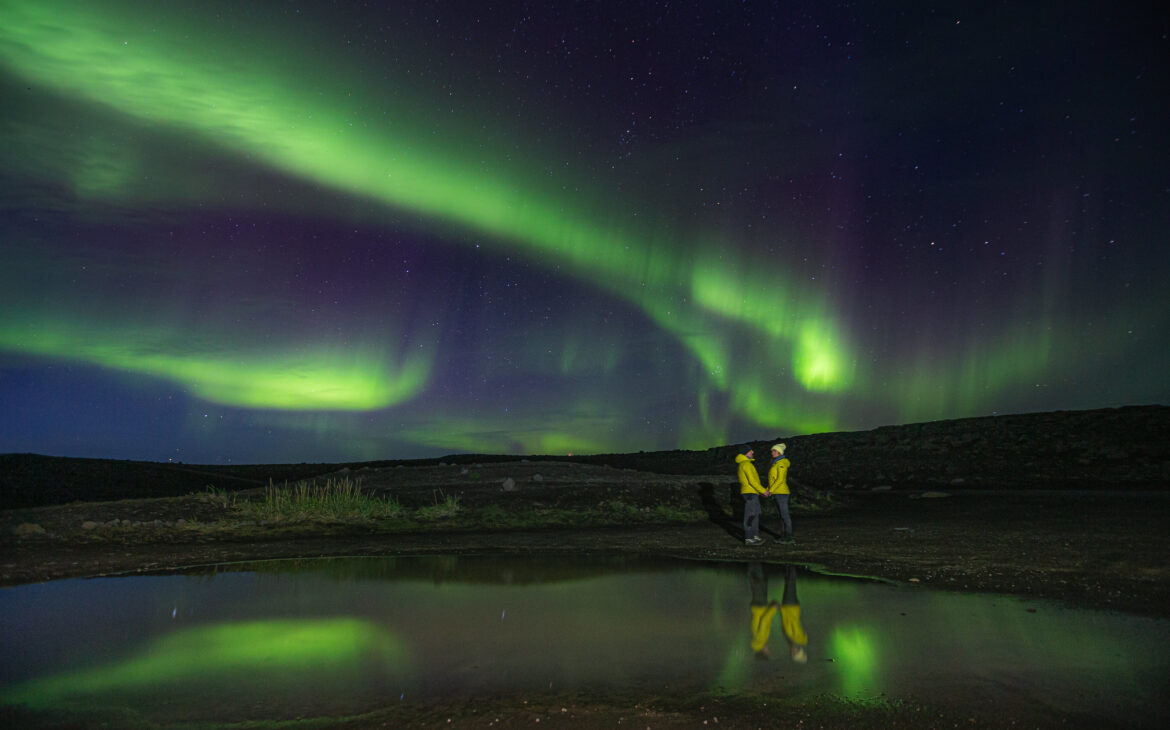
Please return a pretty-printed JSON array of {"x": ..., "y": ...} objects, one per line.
[
  {"x": 740, "y": 344},
  {"x": 465, "y": 627},
  {"x": 855, "y": 657},
  {"x": 261, "y": 652}
]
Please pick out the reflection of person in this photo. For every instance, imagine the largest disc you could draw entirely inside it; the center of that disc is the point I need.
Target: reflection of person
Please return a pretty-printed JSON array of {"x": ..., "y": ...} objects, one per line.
[
  {"x": 750, "y": 488},
  {"x": 763, "y": 610},
  {"x": 778, "y": 489},
  {"x": 790, "y": 618}
]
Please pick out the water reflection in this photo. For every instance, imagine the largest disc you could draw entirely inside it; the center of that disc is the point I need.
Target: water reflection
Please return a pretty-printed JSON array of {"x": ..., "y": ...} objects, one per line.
[
  {"x": 790, "y": 618},
  {"x": 280, "y": 651},
  {"x": 763, "y": 612},
  {"x": 285, "y": 639}
]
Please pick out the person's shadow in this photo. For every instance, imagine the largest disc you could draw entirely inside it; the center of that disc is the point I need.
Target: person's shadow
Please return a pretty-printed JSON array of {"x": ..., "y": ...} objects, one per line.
[{"x": 732, "y": 523}]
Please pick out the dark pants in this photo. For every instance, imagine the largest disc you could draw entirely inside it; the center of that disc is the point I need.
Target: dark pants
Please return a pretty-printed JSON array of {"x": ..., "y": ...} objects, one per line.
[
  {"x": 782, "y": 504},
  {"x": 758, "y": 584},
  {"x": 751, "y": 516},
  {"x": 790, "y": 587}
]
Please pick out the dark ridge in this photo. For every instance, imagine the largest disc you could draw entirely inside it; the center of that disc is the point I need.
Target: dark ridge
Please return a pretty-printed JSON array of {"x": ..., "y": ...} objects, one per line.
[
  {"x": 1114, "y": 448},
  {"x": 1111, "y": 448}
]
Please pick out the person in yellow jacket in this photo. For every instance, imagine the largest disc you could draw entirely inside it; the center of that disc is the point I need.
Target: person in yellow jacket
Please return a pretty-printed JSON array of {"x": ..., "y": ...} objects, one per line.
[
  {"x": 790, "y": 618},
  {"x": 751, "y": 490},
  {"x": 778, "y": 489}
]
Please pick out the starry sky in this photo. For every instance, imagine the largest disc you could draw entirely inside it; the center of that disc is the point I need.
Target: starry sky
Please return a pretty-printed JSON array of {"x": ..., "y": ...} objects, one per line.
[{"x": 263, "y": 232}]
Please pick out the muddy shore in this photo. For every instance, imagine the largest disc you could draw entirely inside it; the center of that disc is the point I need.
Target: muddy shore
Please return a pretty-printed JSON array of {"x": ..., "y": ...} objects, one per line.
[
  {"x": 1087, "y": 549},
  {"x": 1101, "y": 545},
  {"x": 1091, "y": 549}
]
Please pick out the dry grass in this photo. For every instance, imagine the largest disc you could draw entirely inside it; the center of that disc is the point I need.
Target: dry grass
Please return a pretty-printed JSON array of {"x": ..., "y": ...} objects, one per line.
[{"x": 336, "y": 500}]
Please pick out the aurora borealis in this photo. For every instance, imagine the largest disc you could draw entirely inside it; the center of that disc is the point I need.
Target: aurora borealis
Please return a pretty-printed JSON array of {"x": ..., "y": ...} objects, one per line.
[{"x": 270, "y": 232}]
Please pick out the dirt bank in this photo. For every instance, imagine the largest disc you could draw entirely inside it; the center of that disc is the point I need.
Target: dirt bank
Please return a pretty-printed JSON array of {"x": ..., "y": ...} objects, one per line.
[{"x": 1090, "y": 549}]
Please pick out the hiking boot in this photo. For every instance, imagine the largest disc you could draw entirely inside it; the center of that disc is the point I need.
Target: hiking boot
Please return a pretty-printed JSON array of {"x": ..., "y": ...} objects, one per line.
[{"x": 753, "y": 541}]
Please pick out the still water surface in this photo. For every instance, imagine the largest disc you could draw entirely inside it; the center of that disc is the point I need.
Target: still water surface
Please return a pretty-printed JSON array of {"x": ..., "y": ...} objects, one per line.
[{"x": 285, "y": 639}]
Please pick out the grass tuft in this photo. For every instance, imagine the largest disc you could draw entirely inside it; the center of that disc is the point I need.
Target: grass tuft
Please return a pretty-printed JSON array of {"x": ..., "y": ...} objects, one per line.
[
  {"x": 445, "y": 506},
  {"x": 337, "y": 500},
  {"x": 214, "y": 495}
]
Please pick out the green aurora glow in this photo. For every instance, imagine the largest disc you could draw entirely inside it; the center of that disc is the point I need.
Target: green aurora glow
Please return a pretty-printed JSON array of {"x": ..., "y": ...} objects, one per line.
[
  {"x": 167, "y": 78},
  {"x": 314, "y": 380},
  {"x": 761, "y": 345}
]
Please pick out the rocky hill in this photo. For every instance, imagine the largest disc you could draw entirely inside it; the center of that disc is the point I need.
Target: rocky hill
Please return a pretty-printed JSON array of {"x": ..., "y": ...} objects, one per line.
[
  {"x": 1099, "y": 449},
  {"x": 1114, "y": 448}
]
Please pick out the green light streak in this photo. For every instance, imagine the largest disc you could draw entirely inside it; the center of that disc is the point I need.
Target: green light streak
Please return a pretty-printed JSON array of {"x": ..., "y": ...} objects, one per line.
[
  {"x": 309, "y": 379},
  {"x": 710, "y": 351},
  {"x": 818, "y": 362},
  {"x": 566, "y": 434},
  {"x": 971, "y": 380},
  {"x": 736, "y": 672},
  {"x": 782, "y": 312},
  {"x": 579, "y": 356},
  {"x": 104, "y": 168},
  {"x": 707, "y": 431},
  {"x": 227, "y": 653}
]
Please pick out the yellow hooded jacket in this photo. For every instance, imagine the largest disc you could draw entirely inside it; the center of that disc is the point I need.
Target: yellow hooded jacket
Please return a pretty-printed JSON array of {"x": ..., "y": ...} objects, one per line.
[
  {"x": 778, "y": 476},
  {"x": 749, "y": 478}
]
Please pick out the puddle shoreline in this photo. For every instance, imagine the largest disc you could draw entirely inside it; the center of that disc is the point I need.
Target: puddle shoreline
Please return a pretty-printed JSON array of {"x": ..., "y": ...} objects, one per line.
[{"x": 339, "y": 637}]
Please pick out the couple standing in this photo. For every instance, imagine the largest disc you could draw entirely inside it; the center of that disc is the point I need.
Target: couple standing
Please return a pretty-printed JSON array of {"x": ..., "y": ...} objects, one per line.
[{"x": 752, "y": 490}]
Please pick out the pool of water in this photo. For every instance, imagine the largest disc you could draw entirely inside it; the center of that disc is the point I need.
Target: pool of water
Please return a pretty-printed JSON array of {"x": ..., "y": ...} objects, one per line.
[{"x": 287, "y": 639}]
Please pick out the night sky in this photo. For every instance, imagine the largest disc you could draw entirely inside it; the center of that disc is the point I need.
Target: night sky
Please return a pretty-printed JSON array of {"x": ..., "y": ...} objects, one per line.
[{"x": 306, "y": 231}]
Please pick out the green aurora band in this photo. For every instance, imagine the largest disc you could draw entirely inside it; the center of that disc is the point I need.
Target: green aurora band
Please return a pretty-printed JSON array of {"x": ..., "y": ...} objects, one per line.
[
  {"x": 755, "y": 334},
  {"x": 125, "y": 61},
  {"x": 312, "y": 380}
]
